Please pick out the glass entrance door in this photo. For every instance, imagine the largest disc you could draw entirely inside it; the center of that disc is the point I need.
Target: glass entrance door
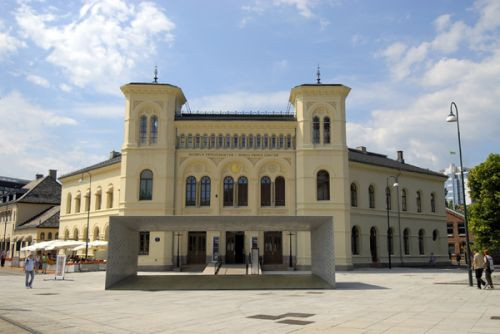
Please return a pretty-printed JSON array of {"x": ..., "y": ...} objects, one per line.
[
  {"x": 273, "y": 250},
  {"x": 197, "y": 248},
  {"x": 235, "y": 247}
]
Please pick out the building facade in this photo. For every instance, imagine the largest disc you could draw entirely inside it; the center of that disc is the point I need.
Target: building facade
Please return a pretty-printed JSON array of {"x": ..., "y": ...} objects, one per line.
[
  {"x": 453, "y": 186},
  {"x": 236, "y": 164},
  {"x": 30, "y": 214}
]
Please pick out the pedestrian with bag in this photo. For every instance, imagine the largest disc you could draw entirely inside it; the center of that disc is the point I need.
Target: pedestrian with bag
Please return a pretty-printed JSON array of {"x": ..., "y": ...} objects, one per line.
[
  {"x": 29, "y": 269},
  {"x": 489, "y": 267}
]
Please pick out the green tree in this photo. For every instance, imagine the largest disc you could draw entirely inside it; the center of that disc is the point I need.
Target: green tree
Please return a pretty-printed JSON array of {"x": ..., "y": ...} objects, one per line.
[{"x": 484, "y": 215}]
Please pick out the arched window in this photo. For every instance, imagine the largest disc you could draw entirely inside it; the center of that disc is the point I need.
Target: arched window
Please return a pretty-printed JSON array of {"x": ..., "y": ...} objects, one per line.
[
  {"x": 354, "y": 195},
  {"x": 146, "y": 185},
  {"x": 212, "y": 141},
  {"x": 433, "y": 202},
  {"x": 143, "y": 129},
  {"x": 273, "y": 141},
  {"x": 189, "y": 141},
  {"x": 204, "y": 141},
  {"x": 56, "y": 236},
  {"x": 355, "y": 240},
  {"x": 66, "y": 234},
  {"x": 265, "y": 191},
  {"x": 235, "y": 141},
  {"x": 243, "y": 141},
  {"x": 109, "y": 199},
  {"x": 242, "y": 191},
  {"x": 315, "y": 129},
  {"x": 205, "y": 191},
  {"x": 98, "y": 199},
  {"x": 227, "y": 143},
  {"x": 220, "y": 141},
  {"x": 77, "y": 203},
  {"x": 75, "y": 234},
  {"x": 326, "y": 130},
  {"x": 281, "y": 143},
  {"x": 250, "y": 141},
  {"x": 228, "y": 191},
  {"x": 371, "y": 196},
  {"x": 182, "y": 142},
  {"x": 49, "y": 236},
  {"x": 404, "y": 201},
  {"x": 257, "y": 141},
  {"x": 435, "y": 235},
  {"x": 87, "y": 200},
  {"x": 323, "y": 186},
  {"x": 265, "y": 142},
  {"x": 289, "y": 141},
  {"x": 68, "y": 203},
  {"x": 96, "y": 233},
  {"x": 153, "y": 136},
  {"x": 373, "y": 244},
  {"x": 197, "y": 141},
  {"x": 388, "y": 198},
  {"x": 106, "y": 233},
  {"x": 42, "y": 236},
  {"x": 419, "y": 202},
  {"x": 406, "y": 241},
  {"x": 279, "y": 191},
  {"x": 421, "y": 249},
  {"x": 390, "y": 241},
  {"x": 191, "y": 191}
]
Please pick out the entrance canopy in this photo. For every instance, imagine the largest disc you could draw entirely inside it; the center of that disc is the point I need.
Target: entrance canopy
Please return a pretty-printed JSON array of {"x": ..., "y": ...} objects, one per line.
[{"x": 124, "y": 237}]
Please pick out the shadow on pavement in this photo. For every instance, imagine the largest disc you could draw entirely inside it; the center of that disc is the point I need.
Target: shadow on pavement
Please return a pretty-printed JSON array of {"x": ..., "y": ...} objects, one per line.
[{"x": 358, "y": 286}]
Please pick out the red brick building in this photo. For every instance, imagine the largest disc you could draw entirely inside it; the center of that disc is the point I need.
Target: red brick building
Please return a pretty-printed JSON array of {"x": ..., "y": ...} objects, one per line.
[{"x": 455, "y": 225}]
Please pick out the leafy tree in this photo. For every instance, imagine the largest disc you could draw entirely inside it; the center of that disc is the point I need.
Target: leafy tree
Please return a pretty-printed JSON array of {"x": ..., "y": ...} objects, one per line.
[{"x": 484, "y": 215}]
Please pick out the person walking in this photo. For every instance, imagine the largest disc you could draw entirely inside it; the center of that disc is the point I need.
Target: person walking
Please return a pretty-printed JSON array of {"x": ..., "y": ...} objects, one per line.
[
  {"x": 458, "y": 259},
  {"x": 2, "y": 258},
  {"x": 478, "y": 266},
  {"x": 488, "y": 269},
  {"x": 29, "y": 269}
]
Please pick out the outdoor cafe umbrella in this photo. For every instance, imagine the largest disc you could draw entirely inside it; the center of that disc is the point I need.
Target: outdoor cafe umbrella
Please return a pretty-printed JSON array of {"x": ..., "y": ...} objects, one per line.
[
  {"x": 93, "y": 244},
  {"x": 64, "y": 244},
  {"x": 38, "y": 246}
]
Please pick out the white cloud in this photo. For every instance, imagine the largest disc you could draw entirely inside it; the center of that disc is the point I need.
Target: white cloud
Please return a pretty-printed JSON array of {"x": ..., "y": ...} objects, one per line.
[
  {"x": 242, "y": 101},
  {"x": 101, "y": 111},
  {"x": 38, "y": 80},
  {"x": 28, "y": 141},
  {"x": 418, "y": 125},
  {"x": 303, "y": 6},
  {"x": 8, "y": 43},
  {"x": 65, "y": 87},
  {"x": 102, "y": 46}
]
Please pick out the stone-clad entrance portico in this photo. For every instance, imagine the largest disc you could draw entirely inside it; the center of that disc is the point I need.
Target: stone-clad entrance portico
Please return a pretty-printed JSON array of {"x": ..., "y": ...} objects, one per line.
[{"x": 124, "y": 238}]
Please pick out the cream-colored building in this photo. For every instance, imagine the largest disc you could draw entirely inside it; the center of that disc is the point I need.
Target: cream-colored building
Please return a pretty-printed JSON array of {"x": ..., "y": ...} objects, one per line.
[{"x": 243, "y": 164}]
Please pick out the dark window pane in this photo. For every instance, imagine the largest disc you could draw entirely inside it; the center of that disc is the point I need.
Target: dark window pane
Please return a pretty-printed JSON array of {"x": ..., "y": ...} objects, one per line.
[
  {"x": 205, "y": 191},
  {"x": 323, "y": 185},
  {"x": 279, "y": 184},
  {"x": 315, "y": 130},
  {"x": 242, "y": 191},
  {"x": 146, "y": 185},
  {"x": 265, "y": 191},
  {"x": 191, "y": 191},
  {"x": 228, "y": 191},
  {"x": 326, "y": 130}
]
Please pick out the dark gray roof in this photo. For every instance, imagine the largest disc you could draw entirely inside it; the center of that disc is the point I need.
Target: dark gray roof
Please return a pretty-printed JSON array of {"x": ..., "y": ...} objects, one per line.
[
  {"x": 319, "y": 85},
  {"x": 235, "y": 116},
  {"x": 116, "y": 159},
  {"x": 44, "y": 190},
  {"x": 383, "y": 161},
  {"x": 46, "y": 219},
  {"x": 152, "y": 84}
]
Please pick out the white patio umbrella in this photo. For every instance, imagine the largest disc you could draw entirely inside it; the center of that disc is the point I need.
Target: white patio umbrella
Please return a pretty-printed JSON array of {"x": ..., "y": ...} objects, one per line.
[
  {"x": 64, "y": 244},
  {"x": 38, "y": 246},
  {"x": 93, "y": 244}
]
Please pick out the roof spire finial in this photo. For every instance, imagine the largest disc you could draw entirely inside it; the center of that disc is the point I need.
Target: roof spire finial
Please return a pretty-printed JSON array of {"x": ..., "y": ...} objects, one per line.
[
  {"x": 155, "y": 78},
  {"x": 318, "y": 78}
]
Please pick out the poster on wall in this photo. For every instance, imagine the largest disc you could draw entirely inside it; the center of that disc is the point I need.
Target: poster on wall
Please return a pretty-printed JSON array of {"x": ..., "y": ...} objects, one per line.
[
  {"x": 215, "y": 247},
  {"x": 60, "y": 266}
]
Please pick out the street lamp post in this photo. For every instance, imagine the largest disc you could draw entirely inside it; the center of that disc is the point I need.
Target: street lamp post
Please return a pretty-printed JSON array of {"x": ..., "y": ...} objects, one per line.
[
  {"x": 290, "y": 262},
  {"x": 387, "y": 199},
  {"x": 88, "y": 214},
  {"x": 450, "y": 119},
  {"x": 178, "y": 249},
  {"x": 4, "y": 244},
  {"x": 396, "y": 185}
]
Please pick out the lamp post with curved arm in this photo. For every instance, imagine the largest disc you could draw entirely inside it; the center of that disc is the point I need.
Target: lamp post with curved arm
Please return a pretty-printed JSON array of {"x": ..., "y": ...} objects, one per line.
[
  {"x": 88, "y": 213},
  {"x": 450, "y": 119}
]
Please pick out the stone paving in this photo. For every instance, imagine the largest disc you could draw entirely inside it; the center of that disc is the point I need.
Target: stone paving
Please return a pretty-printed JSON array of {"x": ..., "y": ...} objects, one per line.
[{"x": 403, "y": 300}]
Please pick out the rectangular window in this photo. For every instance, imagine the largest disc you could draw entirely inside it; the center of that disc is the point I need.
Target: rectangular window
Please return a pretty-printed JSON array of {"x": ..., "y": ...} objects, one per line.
[
  {"x": 461, "y": 228},
  {"x": 143, "y": 243},
  {"x": 449, "y": 228}
]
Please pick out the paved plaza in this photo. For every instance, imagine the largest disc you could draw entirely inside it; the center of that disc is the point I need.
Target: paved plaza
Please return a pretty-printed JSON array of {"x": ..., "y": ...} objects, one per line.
[{"x": 365, "y": 301}]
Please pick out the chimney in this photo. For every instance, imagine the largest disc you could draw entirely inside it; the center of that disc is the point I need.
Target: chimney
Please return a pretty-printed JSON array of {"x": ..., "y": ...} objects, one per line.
[
  {"x": 53, "y": 173},
  {"x": 38, "y": 176},
  {"x": 361, "y": 148},
  {"x": 400, "y": 157},
  {"x": 113, "y": 154}
]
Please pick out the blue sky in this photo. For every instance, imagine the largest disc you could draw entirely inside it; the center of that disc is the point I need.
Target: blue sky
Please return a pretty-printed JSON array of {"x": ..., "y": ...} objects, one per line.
[{"x": 62, "y": 63}]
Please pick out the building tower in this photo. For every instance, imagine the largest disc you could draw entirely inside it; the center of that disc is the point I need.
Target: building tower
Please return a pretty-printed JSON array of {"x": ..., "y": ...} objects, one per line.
[
  {"x": 147, "y": 177},
  {"x": 322, "y": 162}
]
